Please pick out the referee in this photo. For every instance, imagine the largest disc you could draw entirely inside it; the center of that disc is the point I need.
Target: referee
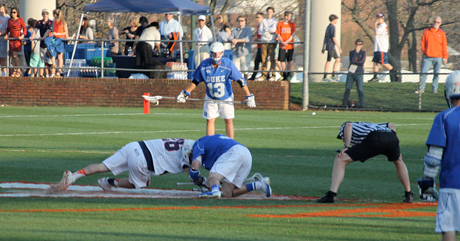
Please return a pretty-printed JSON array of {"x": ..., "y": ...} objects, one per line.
[{"x": 364, "y": 140}]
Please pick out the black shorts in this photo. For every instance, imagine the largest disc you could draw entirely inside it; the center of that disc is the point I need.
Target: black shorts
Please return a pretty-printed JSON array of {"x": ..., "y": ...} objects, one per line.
[
  {"x": 332, "y": 54},
  {"x": 376, "y": 143},
  {"x": 285, "y": 55}
]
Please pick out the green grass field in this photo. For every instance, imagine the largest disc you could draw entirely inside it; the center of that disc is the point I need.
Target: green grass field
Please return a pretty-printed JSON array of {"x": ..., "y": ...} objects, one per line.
[
  {"x": 295, "y": 149},
  {"x": 378, "y": 96}
]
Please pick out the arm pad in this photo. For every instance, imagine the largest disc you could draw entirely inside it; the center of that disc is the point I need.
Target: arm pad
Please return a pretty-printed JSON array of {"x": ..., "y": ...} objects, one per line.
[
  {"x": 433, "y": 161},
  {"x": 241, "y": 82},
  {"x": 195, "y": 82}
]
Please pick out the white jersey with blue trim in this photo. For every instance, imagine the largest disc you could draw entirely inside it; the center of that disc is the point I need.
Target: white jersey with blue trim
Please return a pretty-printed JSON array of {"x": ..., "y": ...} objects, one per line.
[
  {"x": 167, "y": 155},
  {"x": 211, "y": 148},
  {"x": 445, "y": 133},
  {"x": 218, "y": 80}
]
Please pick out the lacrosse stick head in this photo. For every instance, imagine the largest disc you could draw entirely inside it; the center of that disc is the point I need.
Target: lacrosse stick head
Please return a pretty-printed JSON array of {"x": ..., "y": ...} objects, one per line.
[
  {"x": 452, "y": 87},
  {"x": 187, "y": 149},
  {"x": 153, "y": 99}
]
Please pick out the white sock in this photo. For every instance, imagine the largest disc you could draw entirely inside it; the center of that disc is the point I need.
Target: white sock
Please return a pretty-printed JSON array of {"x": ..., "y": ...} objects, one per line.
[{"x": 258, "y": 185}]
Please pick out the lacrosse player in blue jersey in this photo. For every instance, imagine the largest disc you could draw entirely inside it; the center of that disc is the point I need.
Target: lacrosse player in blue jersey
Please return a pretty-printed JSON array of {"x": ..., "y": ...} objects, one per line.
[
  {"x": 217, "y": 73},
  {"x": 444, "y": 151},
  {"x": 227, "y": 161}
]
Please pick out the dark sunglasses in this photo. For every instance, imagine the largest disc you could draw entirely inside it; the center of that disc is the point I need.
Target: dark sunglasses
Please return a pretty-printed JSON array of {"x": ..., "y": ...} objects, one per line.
[
  {"x": 241, "y": 20},
  {"x": 358, "y": 44},
  {"x": 14, "y": 12},
  {"x": 219, "y": 18},
  {"x": 437, "y": 22}
]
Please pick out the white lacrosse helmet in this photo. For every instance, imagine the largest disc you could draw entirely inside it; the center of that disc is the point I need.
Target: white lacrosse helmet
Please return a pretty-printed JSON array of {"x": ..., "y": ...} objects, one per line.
[
  {"x": 217, "y": 47},
  {"x": 187, "y": 149},
  {"x": 452, "y": 87}
]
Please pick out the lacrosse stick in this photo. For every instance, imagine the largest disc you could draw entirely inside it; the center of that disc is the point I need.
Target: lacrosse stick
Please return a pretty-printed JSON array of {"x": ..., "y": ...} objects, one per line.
[
  {"x": 155, "y": 99},
  {"x": 254, "y": 178}
]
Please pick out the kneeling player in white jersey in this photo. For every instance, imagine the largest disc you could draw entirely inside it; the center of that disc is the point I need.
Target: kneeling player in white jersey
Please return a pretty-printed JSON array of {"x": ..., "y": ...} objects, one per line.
[
  {"x": 141, "y": 159},
  {"x": 443, "y": 151},
  {"x": 217, "y": 72},
  {"x": 227, "y": 161}
]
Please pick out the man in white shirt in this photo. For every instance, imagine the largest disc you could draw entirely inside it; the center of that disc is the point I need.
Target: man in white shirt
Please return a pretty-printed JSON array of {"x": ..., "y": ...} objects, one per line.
[
  {"x": 267, "y": 30},
  {"x": 204, "y": 36},
  {"x": 170, "y": 25},
  {"x": 381, "y": 45},
  {"x": 149, "y": 39}
]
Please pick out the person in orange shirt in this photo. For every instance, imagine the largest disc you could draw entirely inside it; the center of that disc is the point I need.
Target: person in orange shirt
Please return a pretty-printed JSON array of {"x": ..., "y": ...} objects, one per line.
[
  {"x": 286, "y": 33},
  {"x": 60, "y": 30},
  {"x": 434, "y": 48}
]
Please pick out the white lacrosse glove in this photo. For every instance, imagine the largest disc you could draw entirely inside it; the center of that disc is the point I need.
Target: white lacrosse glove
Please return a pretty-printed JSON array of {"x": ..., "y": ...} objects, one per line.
[
  {"x": 250, "y": 101},
  {"x": 182, "y": 97}
]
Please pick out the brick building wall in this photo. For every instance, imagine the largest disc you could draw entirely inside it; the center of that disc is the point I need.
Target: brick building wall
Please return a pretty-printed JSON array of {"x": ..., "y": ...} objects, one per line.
[{"x": 126, "y": 92}]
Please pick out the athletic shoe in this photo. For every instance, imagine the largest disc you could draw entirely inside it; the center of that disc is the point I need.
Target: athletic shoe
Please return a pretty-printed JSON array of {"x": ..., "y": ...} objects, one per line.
[
  {"x": 261, "y": 78},
  {"x": 272, "y": 78},
  {"x": 376, "y": 79},
  {"x": 215, "y": 195},
  {"x": 419, "y": 91},
  {"x": 67, "y": 178},
  {"x": 329, "y": 198},
  {"x": 104, "y": 184},
  {"x": 435, "y": 91},
  {"x": 266, "y": 186},
  {"x": 408, "y": 197}
]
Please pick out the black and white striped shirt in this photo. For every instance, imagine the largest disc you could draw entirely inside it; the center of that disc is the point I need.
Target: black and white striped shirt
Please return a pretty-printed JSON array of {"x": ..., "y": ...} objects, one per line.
[{"x": 361, "y": 130}]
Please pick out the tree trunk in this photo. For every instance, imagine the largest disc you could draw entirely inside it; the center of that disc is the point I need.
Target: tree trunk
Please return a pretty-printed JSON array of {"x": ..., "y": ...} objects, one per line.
[{"x": 394, "y": 56}]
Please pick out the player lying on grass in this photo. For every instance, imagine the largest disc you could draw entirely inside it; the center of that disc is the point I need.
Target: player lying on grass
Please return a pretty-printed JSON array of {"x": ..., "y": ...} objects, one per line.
[
  {"x": 141, "y": 159},
  {"x": 227, "y": 161},
  {"x": 364, "y": 140},
  {"x": 444, "y": 151}
]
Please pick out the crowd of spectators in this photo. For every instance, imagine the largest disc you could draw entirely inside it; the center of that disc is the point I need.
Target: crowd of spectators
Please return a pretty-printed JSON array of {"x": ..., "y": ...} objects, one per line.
[{"x": 43, "y": 41}]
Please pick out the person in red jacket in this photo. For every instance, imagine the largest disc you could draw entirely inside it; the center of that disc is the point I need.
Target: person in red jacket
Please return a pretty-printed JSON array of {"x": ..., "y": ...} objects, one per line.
[{"x": 434, "y": 48}]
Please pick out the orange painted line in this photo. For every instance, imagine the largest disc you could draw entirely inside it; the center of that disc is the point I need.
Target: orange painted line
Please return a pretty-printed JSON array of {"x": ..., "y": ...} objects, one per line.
[
  {"x": 341, "y": 212},
  {"x": 386, "y": 210}
]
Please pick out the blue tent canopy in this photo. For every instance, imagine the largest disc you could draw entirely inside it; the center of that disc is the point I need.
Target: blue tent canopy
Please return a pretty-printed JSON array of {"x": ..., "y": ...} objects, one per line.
[{"x": 148, "y": 6}]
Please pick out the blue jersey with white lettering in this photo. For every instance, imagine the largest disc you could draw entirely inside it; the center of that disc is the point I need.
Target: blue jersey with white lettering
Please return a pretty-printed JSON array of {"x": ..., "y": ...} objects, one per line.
[
  {"x": 211, "y": 148},
  {"x": 218, "y": 80},
  {"x": 445, "y": 132}
]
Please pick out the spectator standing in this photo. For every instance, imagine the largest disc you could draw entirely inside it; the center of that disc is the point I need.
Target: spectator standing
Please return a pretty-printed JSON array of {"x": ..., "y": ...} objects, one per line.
[
  {"x": 169, "y": 26},
  {"x": 381, "y": 45},
  {"x": 256, "y": 38},
  {"x": 363, "y": 140},
  {"x": 355, "y": 71},
  {"x": 112, "y": 34},
  {"x": 243, "y": 51},
  {"x": 267, "y": 30},
  {"x": 204, "y": 35},
  {"x": 149, "y": 39},
  {"x": 143, "y": 23},
  {"x": 130, "y": 33},
  {"x": 28, "y": 44},
  {"x": 35, "y": 60},
  {"x": 286, "y": 32},
  {"x": 60, "y": 31},
  {"x": 224, "y": 32},
  {"x": 434, "y": 48},
  {"x": 3, "y": 25},
  {"x": 332, "y": 46},
  {"x": 44, "y": 27},
  {"x": 85, "y": 31},
  {"x": 16, "y": 29}
]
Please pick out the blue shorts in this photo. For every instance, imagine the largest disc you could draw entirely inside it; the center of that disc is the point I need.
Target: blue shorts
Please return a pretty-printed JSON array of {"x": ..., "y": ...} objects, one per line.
[{"x": 380, "y": 58}]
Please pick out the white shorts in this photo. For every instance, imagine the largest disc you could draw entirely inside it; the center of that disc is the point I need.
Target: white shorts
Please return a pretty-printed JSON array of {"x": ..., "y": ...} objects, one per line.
[
  {"x": 212, "y": 110},
  {"x": 448, "y": 214},
  {"x": 234, "y": 165},
  {"x": 130, "y": 158}
]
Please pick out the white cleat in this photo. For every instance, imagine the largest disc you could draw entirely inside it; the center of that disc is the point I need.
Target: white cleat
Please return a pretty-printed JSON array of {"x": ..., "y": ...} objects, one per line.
[
  {"x": 266, "y": 186},
  {"x": 215, "y": 195},
  {"x": 67, "y": 179},
  {"x": 104, "y": 184}
]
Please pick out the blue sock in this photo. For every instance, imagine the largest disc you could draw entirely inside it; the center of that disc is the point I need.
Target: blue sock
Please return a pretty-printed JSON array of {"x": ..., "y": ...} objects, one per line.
[
  {"x": 215, "y": 188},
  {"x": 250, "y": 186}
]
